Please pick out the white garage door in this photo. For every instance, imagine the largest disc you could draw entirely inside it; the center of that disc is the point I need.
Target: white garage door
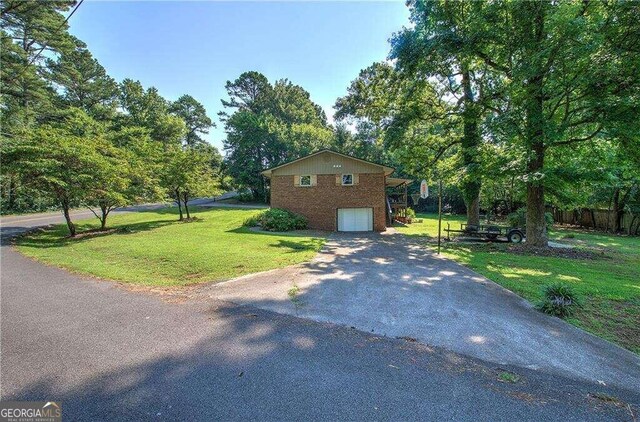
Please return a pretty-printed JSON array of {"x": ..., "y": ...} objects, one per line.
[{"x": 355, "y": 219}]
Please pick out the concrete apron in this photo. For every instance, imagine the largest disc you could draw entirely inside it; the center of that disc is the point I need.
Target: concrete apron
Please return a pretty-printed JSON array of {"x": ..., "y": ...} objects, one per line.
[{"x": 393, "y": 286}]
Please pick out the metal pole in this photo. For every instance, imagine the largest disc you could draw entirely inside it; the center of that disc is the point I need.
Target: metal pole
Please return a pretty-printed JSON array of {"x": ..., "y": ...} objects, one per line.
[{"x": 439, "y": 213}]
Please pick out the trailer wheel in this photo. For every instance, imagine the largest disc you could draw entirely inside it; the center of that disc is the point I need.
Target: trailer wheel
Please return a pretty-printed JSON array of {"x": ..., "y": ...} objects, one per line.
[{"x": 515, "y": 236}]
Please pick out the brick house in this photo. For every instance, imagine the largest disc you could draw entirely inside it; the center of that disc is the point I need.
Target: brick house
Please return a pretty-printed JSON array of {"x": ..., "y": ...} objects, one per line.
[{"x": 337, "y": 192}]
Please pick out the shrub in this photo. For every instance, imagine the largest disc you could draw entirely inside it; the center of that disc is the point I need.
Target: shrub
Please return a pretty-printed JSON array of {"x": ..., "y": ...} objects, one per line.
[
  {"x": 245, "y": 197},
  {"x": 279, "y": 220},
  {"x": 411, "y": 213},
  {"x": 252, "y": 221},
  {"x": 519, "y": 218},
  {"x": 559, "y": 300}
]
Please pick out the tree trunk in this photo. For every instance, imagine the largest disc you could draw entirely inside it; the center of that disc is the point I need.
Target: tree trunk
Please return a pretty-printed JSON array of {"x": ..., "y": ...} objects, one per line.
[
  {"x": 473, "y": 211},
  {"x": 105, "y": 213},
  {"x": 11, "y": 198},
  {"x": 67, "y": 217},
  {"x": 264, "y": 189},
  {"x": 536, "y": 223},
  {"x": 633, "y": 220},
  {"x": 616, "y": 211},
  {"x": 471, "y": 180},
  {"x": 179, "y": 202},
  {"x": 185, "y": 199},
  {"x": 606, "y": 229},
  {"x": 534, "y": 127}
]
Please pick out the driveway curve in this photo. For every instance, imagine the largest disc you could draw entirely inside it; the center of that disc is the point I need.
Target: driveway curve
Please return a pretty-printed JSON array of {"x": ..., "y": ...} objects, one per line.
[{"x": 392, "y": 285}]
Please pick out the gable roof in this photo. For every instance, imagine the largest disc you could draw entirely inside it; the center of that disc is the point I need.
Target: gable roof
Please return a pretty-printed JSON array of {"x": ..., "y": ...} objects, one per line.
[{"x": 387, "y": 170}]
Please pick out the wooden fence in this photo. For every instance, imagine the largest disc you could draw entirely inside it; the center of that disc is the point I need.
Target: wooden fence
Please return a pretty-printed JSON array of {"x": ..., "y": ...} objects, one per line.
[{"x": 597, "y": 219}]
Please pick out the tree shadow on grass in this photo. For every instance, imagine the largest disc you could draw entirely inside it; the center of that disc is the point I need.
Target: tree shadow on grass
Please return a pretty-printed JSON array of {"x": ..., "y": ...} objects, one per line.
[
  {"x": 295, "y": 233},
  {"x": 57, "y": 236},
  {"x": 299, "y": 245}
]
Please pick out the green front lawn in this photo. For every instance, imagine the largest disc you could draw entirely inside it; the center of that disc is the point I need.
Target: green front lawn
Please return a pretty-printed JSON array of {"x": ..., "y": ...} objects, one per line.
[
  {"x": 153, "y": 248},
  {"x": 609, "y": 282}
]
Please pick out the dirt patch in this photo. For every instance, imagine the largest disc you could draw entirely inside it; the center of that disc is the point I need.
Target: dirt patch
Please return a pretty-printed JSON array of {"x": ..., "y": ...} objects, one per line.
[
  {"x": 169, "y": 294},
  {"x": 570, "y": 253},
  {"x": 92, "y": 233},
  {"x": 306, "y": 232},
  {"x": 523, "y": 249}
]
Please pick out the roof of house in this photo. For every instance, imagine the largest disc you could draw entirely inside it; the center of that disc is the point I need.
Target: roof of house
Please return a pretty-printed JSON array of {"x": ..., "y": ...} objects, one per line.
[
  {"x": 395, "y": 182},
  {"x": 387, "y": 170}
]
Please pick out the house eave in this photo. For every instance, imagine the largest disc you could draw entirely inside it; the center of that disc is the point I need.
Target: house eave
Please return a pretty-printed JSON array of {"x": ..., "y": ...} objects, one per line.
[{"x": 387, "y": 170}]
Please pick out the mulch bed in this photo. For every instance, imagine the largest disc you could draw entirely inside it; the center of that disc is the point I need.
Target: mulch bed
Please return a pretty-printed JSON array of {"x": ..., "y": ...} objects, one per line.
[
  {"x": 522, "y": 249},
  {"x": 91, "y": 233},
  {"x": 571, "y": 253}
]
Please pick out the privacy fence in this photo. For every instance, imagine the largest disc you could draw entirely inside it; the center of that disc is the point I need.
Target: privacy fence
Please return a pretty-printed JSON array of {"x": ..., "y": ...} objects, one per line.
[{"x": 597, "y": 219}]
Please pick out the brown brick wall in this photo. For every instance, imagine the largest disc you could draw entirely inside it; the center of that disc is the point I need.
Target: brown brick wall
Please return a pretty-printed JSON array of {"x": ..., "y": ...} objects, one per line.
[{"x": 320, "y": 203}]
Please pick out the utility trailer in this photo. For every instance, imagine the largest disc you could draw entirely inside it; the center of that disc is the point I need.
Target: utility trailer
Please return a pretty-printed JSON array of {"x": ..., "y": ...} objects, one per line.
[{"x": 490, "y": 232}]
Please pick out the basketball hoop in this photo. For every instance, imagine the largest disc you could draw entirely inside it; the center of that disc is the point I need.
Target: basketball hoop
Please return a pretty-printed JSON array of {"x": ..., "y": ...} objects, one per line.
[
  {"x": 416, "y": 198},
  {"x": 424, "y": 189}
]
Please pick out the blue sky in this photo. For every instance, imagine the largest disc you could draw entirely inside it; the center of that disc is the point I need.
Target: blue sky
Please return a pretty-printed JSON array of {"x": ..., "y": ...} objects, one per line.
[{"x": 195, "y": 47}]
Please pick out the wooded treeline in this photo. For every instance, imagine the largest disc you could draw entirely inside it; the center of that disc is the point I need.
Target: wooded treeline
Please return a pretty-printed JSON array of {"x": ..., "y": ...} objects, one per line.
[
  {"x": 73, "y": 136},
  {"x": 513, "y": 102},
  {"x": 510, "y": 103}
]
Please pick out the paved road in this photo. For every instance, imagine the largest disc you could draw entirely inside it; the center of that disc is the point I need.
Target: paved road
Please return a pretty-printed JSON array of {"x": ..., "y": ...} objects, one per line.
[
  {"x": 112, "y": 354},
  {"x": 391, "y": 285},
  {"x": 15, "y": 224}
]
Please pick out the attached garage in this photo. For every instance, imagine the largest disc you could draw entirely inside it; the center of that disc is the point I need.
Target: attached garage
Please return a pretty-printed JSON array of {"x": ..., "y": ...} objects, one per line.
[
  {"x": 335, "y": 191},
  {"x": 355, "y": 219}
]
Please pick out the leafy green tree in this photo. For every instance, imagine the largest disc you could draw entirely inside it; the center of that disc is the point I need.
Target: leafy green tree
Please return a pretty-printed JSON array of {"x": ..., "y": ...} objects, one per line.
[
  {"x": 569, "y": 69},
  {"x": 84, "y": 82},
  {"x": 267, "y": 125},
  {"x": 403, "y": 119},
  {"x": 59, "y": 162},
  {"x": 195, "y": 117},
  {"x": 127, "y": 176},
  {"x": 148, "y": 109},
  {"x": 250, "y": 91},
  {"x": 248, "y": 143},
  {"x": 110, "y": 187},
  {"x": 187, "y": 174},
  {"x": 30, "y": 32},
  {"x": 597, "y": 175},
  {"x": 216, "y": 163},
  {"x": 439, "y": 46}
]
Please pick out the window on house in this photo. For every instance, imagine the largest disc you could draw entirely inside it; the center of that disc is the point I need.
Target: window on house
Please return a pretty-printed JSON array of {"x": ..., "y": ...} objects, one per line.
[
  {"x": 347, "y": 179},
  {"x": 305, "y": 180}
]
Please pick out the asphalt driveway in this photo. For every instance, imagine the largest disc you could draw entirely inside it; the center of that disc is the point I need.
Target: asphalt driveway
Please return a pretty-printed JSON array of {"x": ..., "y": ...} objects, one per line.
[
  {"x": 391, "y": 285},
  {"x": 108, "y": 353}
]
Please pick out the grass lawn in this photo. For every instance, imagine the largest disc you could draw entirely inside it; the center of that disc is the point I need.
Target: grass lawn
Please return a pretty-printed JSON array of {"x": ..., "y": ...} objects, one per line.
[
  {"x": 608, "y": 285},
  {"x": 153, "y": 248}
]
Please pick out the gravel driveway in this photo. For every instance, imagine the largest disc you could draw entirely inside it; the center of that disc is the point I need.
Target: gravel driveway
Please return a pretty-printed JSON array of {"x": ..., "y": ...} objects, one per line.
[{"x": 390, "y": 285}]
